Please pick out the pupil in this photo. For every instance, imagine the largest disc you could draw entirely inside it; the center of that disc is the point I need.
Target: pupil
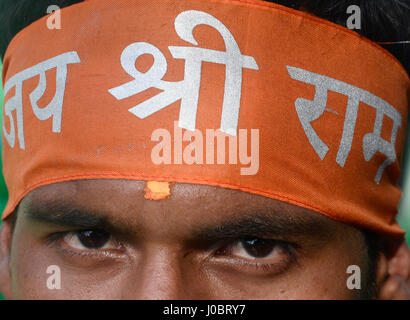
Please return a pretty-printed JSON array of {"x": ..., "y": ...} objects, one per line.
[
  {"x": 258, "y": 248},
  {"x": 93, "y": 239}
]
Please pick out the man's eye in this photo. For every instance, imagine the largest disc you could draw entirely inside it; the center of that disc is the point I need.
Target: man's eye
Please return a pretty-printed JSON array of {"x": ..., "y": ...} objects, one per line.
[
  {"x": 259, "y": 249},
  {"x": 89, "y": 240}
]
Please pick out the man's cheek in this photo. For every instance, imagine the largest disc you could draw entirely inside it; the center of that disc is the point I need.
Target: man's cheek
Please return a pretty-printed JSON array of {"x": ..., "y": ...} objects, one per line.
[
  {"x": 29, "y": 277},
  {"x": 37, "y": 274},
  {"x": 312, "y": 278}
]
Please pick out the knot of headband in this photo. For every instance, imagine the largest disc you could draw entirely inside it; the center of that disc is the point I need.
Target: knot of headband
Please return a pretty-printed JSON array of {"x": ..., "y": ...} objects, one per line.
[{"x": 320, "y": 109}]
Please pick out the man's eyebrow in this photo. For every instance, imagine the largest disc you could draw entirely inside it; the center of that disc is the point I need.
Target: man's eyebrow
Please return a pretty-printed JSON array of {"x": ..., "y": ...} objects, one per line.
[
  {"x": 65, "y": 214},
  {"x": 262, "y": 223},
  {"x": 265, "y": 224}
]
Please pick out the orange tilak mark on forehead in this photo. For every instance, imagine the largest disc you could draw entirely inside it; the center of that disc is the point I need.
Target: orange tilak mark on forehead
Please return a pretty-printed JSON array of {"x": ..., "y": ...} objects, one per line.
[{"x": 155, "y": 190}]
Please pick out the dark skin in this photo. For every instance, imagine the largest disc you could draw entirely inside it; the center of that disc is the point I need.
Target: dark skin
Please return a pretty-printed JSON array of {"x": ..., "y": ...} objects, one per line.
[{"x": 202, "y": 243}]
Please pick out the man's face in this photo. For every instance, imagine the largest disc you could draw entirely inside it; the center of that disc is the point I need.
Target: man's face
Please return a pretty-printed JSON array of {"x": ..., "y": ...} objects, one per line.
[{"x": 202, "y": 242}]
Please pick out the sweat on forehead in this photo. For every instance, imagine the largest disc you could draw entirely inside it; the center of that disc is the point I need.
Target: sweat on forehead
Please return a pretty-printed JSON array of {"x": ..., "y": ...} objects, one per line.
[{"x": 296, "y": 114}]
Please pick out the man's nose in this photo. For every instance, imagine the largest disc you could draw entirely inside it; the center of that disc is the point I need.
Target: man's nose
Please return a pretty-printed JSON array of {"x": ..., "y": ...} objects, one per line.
[{"x": 160, "y": 275}]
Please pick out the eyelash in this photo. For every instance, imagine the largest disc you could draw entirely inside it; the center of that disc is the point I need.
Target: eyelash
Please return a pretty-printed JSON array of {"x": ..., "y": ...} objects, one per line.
[
  {"x": 57, "y": 238},
  {"x": 265, "y": 267},
  {"x": 276, "y": 267}
]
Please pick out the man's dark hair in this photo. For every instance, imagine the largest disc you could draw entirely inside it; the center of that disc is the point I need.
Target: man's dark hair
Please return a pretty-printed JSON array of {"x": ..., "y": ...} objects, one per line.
[{"x": 381, "y": 21}]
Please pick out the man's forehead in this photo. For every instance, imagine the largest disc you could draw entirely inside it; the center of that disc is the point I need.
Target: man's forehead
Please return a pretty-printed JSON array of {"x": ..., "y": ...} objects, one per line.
[
  {"x": 130, "y": 190},
  {"x": 123, "y": 201}
]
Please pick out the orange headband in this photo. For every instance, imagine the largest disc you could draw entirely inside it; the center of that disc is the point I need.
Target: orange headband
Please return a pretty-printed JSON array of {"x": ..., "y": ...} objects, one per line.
[{"x": 324, "y": 109}]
